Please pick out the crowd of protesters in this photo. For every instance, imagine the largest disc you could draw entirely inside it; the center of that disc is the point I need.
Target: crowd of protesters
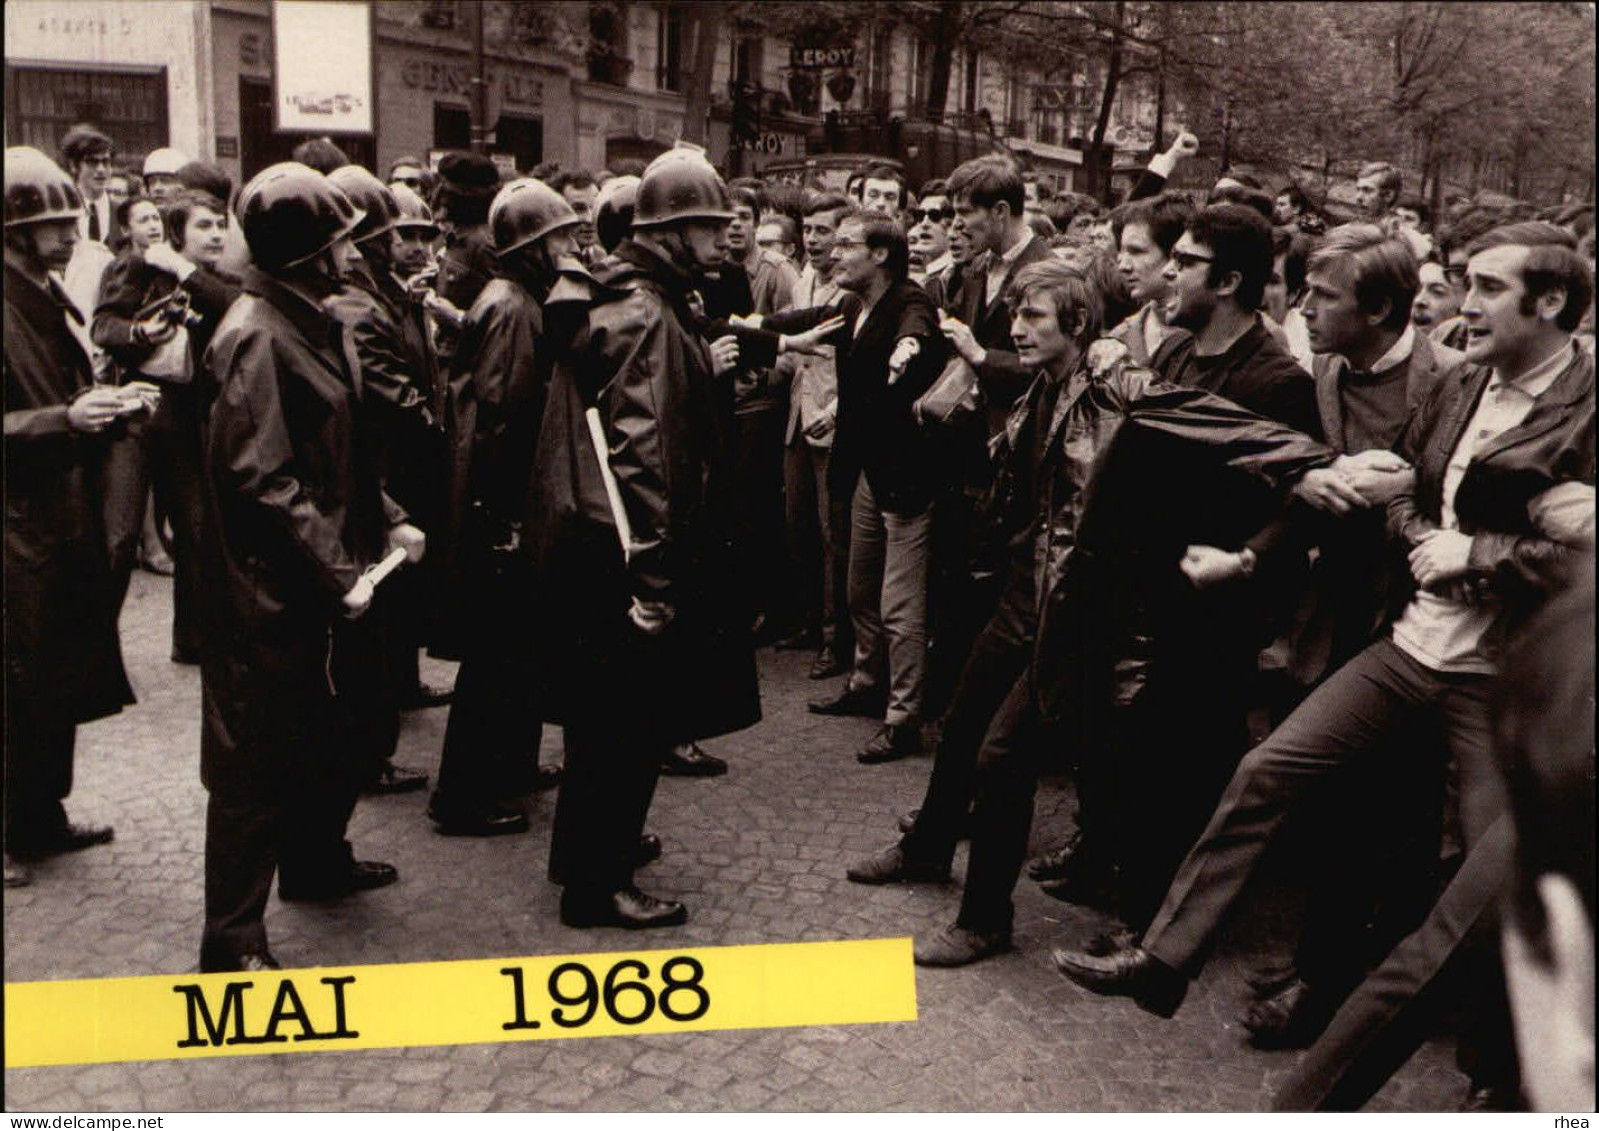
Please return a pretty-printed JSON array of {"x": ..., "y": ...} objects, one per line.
[{"x": 1067, "y": 489}]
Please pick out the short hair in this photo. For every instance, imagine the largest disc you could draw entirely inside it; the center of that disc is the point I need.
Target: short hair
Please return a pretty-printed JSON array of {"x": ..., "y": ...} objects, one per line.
[
  {"x": 1552, "y": 263},
  {"x": 1239, "y": 239},
  {"x": 828, "y": 202},
  {"x": 1041, "y": 225},
  {"x": 83, "y": 141},
  {"x": 572, "y": 178},
  {"x": 1248, "y": 180},
  {"x": 629, "y": 167},
  {"x": 988, "y": 183},
  {"x": 1070, "y": 288},
  {"x": 1166, "y": 216},
  {"x": 938, "y": 186},
  {"x": 743, "y": 194},
  {"x": 1296, "y": 195},
  {"x": 1413, "y": 203},
  {"x": 1295, "y": 246},
  {"x": 1544, "y": 742},
  {"x": 321, "y": 154},
  {"x": 1466, "y": 230},
  {"x": 785, "y": 225},
  {"x": 184, "y": 205},
  {"x": 1382, "y": 269},
  {"x": 1577, "y": 218},
  {"x": 886, "y": 173},
  {"x": 880, "y": 231},
  {"x": 410, "y": 159},
  {"x": 125, "y": 209},
  {"x": 203, "y": 176},
  {"x": 1249, "y": 197},
  {"x": 1389, "y": 179}
]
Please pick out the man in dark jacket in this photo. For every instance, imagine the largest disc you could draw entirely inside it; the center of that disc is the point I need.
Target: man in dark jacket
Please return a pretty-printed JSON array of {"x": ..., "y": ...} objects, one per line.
[
  {"x": 397, "y": 372},
  {"x": 1497, "y": 433},
  {"x": 513, "y": 334},
  {"x": 467, "y": 182},
  {"x": 1032, "y": 664},
  {"x": 63, "y": 658},
  {"x": 640, "y": 622},
  {"x": 888, "y": 351},
  {"x": 173, "y": 289},
  {"x": 292, "y": 684}
]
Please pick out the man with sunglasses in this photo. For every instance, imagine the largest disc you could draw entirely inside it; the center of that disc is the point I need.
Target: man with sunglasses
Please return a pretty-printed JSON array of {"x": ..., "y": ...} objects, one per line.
[
  {"x": 929, "y": 233},
  {"x": 88, "y": 154}
]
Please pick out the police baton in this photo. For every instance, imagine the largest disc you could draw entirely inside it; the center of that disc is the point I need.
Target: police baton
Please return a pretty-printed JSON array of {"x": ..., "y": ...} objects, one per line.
[{"x": 624, "y": 532}]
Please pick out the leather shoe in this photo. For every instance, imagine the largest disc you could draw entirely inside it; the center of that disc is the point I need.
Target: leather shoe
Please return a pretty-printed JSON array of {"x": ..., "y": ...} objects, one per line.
[
  {"x": 959, "y": 946},
  {"x": 892, "y": 866},
  {"x": 649, "y": 850},
  {"x": 907, "y": 819},
  {"x": 802, "y": 641},
  {"x": 828, "y": 663},
  {"x": 865, "y": 702},
  {"x": 892, "y": 742},
  {"x": 1291, "y": 1018},
  {"x": 1055, "y": 865},
  {"x": 546, "y": 778},
  {"x": 1489, "y": 1097},
  {"x": 17, "y": 874},
  {"x": 398, "y": 779},
  {"x": 496, "y": 820},
  {"x": 687, "y": 760},
  {"x": 252, "y": 961},
  {"x": 425, "y": 695},
  {"x": 1088, "y": 882},
  {"x": 364, "y": 875},
  {"x": 629, "y": 908},
  {"x": 68, "y": 838},
  {"x": 1133, "y": 973}
]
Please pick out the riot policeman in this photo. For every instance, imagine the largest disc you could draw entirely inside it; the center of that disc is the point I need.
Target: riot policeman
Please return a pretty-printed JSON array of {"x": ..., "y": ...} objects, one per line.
[
  {"x": 645, "y": 637},
  {"x": 63, "y": 657},
  {"x": 514, "y": 331},
  {"x": 295, "y": 514}
]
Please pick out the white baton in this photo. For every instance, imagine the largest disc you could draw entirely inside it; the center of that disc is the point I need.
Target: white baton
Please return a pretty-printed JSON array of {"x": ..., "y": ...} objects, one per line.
[
  {"x": 624, "y": 532},
  {"x": 376, "y": 573}
]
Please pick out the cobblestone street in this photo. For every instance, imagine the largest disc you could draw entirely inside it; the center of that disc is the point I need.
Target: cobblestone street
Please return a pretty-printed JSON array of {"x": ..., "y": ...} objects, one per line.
[{"x": 758, "y": 856}]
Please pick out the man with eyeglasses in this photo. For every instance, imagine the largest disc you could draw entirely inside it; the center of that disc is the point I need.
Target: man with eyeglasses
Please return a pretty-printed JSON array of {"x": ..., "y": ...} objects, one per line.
[
  {"x": 929, "y": 234},
  {"x": 410, "y": 172},
  {"x": 88, "y": 154}
]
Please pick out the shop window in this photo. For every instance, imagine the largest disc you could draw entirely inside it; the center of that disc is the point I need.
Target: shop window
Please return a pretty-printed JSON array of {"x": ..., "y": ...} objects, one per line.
[
  {"x": 669, "y": 73},
  {"x": 452, "y": 127},
  {"x": 128, "y": 104}
]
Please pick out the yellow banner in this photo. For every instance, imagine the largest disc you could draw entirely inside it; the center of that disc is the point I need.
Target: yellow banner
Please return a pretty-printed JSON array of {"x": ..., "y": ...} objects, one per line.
[{"x": 456, "y": 1003}]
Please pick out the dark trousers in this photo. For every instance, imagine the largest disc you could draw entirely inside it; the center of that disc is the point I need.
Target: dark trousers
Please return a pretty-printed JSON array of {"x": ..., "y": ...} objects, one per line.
[
  {"x": 172, "y": 447},
  {"x": 821, "y": 576},
  {"x": 1400, "y": 1003},
  {"x": 491, "y": 741},
  {"x": 38, "y": 760},
  {"x": 606, "y": 791},
  {"x": 998, "y": 659},
  {"x": 758, "y": 511},
  {"x": 1346, "y": 720},
  {"x": 958, "y": 606}
]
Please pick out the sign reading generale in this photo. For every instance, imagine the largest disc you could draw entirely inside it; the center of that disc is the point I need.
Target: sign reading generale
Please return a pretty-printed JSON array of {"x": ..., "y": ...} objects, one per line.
[{"x": 456, "y": 78}]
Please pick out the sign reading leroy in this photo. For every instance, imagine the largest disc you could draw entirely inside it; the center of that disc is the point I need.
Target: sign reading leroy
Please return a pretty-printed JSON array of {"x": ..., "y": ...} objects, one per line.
[
  {"x": 821, "y": 58},
  {"x": 322, "y": 66},
  {"x": 403, "y": 1005}
]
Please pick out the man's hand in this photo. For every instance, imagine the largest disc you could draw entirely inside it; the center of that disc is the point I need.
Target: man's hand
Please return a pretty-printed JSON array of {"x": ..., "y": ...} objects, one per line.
[
  {"x": 154, "y": 331},
  {"x": 1378, "y": 487},
  {"x": 1325, "y": 488},
  {"x": 822, "y": 425},
  {"x": 163, "y": 256},
  {"x": 651, "y": 617},
  {"x": 904, "y": 350},
  {"x": 96, "y": 409},
  {"x": 724, "y": 354},
  {"x": 1440, "y": 556},
  {"x": 1205, "y": 566},
  {"x": 1372, "y": 459},
  {"x": 139, "y": 396},
  {"x": 359, "y": 599},
  {"x": 960, "y": 336},
  {"x": 404, "y": 536},
  {"x": 443, "y": 309},
  {"x": 812, "y": 341},
  {"x": 1185, "y": 145}
]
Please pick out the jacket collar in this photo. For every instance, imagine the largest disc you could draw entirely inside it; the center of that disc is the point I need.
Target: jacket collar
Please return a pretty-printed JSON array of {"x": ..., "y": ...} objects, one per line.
[
  {"x": 1572, "y": 386},
  {"x": 40, "y": 303},
  {"x": 300, "y": 309}
]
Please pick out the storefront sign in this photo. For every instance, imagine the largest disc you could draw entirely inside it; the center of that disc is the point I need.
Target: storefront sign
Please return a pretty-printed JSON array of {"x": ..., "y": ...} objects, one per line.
[
  {"x": 818, "y": 58},
  {"x": 322, "y": 66},
  {"x": 765, "y": 143},
  {"x": 456, "y": 78}
]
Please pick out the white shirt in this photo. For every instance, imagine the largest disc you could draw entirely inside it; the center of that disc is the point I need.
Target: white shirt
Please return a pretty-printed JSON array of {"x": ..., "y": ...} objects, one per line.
[
  {"x": 1000, "y": 265},
  {"x": 1437, "y": 632}
]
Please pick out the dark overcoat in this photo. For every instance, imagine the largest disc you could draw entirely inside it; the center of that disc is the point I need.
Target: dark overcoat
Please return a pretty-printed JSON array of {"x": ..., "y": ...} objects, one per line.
[{"x": 63, "y": 655}]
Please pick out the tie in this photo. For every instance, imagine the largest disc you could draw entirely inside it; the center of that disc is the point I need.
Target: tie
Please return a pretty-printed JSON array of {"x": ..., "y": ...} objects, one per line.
[{"x": 94, "y": 222}]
